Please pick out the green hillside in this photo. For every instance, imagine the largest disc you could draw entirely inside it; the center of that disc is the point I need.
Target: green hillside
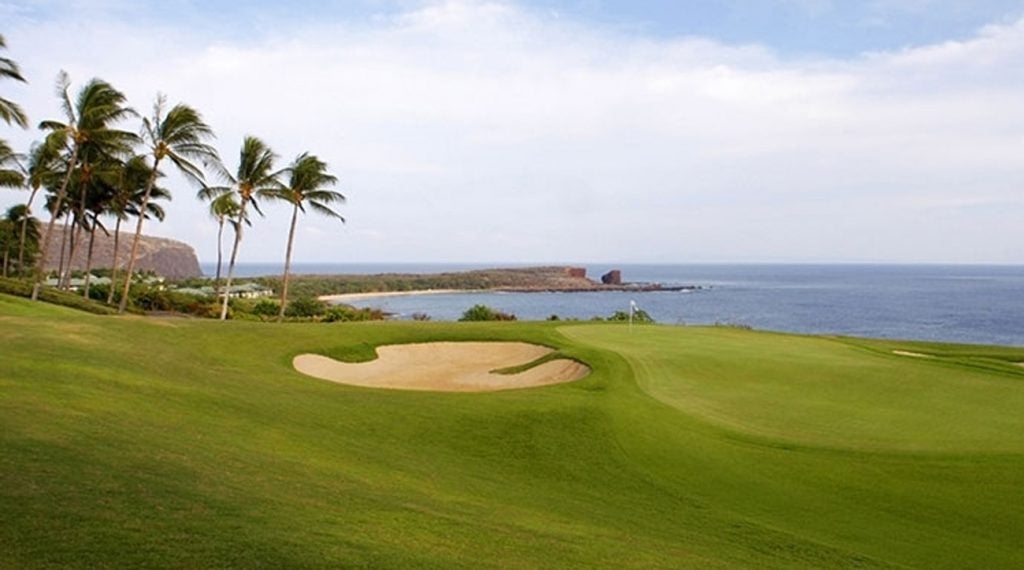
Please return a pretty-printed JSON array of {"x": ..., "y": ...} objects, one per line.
[{"x": 146, "y": 442}]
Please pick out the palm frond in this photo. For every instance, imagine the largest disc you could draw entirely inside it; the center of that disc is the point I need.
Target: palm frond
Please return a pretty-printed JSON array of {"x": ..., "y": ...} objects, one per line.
[
  {"x": 214, "y": 193},
  {"x": 256, "y": 168},
  {"x": 192, "y": 172},
  {"x": 54, "y": 127},
  {"x": 12, "y": 174},
  {"x": 4, "y": 62},
  {"x": 10, "y": 70},
  {"x": 44, "y": 160},
  {"x": 181, "y": 136},
  {"x": 10, "y": 112},
  {"x": 219, "y": 171},
  {"x": 62, "y": 88},
  {"x": 256, "y": 206},
  {"x": 324, "y": 210},
  {"x": 11, "y": 178},
  {"x": 308, "y": 183}
]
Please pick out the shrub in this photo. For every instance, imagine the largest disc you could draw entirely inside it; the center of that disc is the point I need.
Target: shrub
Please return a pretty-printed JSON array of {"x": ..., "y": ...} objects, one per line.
[
  {"x": 420, "y": 317},
  {"x": 345, "y": 314},
  {"x": 155, "y": 299},
  {"x": 99, "y": 292},
  {"x": 266, "y": 308},
  {"x": 485, "y": 313},
  {"x": 306, "y": 307},
  {"x": 639, "y": 316}
]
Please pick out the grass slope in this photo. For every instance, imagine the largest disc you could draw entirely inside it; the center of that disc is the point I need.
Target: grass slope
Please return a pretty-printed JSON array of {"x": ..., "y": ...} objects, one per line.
[{"x": 185, "y": 443}]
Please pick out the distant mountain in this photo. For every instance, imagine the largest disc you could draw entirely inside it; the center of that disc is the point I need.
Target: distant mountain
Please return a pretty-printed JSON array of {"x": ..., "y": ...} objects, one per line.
[{"x": 167, "y": 257}]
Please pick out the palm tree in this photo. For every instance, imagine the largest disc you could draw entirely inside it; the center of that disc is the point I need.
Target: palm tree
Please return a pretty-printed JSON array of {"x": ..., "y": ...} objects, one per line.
[
  {"x": 86, "y": 183},
  {"x": 43, "y": 169},
  {"x": 255, "y": 178},
  {"x": 307, "y": 182},
  {"x": 9, "y": 111},
  {"x": 179, "y": 137},
  {"x": 91, "y": 223},
  {"x": 11, "y": 174},
  {"x": 224, "y": 208},
  {"x": 18, "y": 216},
  {"x": 10, "y": 169},
  {"x": 7, "y": 240},
  {"x": 89, "y": 126},
  {"x": 127, "y": 192}
]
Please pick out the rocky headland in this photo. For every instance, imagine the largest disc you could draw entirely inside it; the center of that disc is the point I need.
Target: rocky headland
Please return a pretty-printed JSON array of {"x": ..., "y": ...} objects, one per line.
[{"x": 166, "y": 257}]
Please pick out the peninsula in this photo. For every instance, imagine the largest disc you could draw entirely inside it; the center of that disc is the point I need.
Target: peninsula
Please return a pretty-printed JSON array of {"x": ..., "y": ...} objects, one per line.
[{"x": 520, "y": 280}]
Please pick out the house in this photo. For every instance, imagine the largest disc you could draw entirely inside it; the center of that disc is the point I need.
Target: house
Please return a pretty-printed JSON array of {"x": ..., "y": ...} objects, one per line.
[
  {"x": 77, "y": 283},
  {"x": 249, "y": 291},
  {"x": 242, "y": 291}
]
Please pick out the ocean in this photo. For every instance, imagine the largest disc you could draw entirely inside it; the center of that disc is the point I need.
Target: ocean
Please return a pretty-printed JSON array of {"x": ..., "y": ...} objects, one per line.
[{"x": 954, "y": 303}]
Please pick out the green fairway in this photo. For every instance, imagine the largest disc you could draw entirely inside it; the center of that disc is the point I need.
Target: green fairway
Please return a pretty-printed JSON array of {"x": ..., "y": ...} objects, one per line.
[{"x": 145, "y": 442}]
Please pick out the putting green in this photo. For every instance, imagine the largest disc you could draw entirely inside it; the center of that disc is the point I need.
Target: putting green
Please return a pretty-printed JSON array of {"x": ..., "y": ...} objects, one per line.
[{"x": 820, "y": 391}]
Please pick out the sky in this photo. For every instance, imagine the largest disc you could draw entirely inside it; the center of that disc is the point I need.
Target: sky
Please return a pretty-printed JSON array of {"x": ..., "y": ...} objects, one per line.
[{"x": 581, "y": 131}]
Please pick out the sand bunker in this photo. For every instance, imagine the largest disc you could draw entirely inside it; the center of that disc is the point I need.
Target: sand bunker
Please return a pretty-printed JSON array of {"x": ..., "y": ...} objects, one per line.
[
  {"x": 446, "y": 367},
  {"x": 911, "y": 354}
]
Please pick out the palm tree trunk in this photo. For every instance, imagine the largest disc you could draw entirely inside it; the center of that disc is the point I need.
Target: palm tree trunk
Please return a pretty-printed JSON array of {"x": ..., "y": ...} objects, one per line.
[
  {"x": 234, "y": 256},
  {"x": 6, "y": 255},
  {"x": 135, "y": 242},
  {"x": 220, "y": 255},
  {"x": 113, "y": 262},
  {"x": 40, "y": 267},
  {"x": 63, "y": 249},
  {"x": 287, "y": 264},
  {"x": 88, "y": 258},
  {"x": 76, "y": 238},
  {"x": 24, "y": 229}
]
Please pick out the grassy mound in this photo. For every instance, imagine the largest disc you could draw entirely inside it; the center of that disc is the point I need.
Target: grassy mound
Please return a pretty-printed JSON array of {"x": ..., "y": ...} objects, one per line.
[{"x": 190, "y": 443}]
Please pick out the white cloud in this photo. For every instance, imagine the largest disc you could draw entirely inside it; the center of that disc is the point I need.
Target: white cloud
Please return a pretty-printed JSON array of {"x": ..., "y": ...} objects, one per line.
[{"x": 483, "y": 131}]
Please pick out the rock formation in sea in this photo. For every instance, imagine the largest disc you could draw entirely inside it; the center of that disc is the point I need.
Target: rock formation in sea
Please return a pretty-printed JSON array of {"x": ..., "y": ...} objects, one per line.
[{"x": 613, "y": 277}]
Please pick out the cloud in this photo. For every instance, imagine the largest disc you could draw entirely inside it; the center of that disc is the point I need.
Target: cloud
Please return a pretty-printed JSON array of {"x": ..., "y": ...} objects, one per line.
[{"x": 487, "y": 131}]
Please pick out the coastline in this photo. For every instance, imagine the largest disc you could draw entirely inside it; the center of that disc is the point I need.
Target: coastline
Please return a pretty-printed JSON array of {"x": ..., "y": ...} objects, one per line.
[{"x": 634, "y": 288}]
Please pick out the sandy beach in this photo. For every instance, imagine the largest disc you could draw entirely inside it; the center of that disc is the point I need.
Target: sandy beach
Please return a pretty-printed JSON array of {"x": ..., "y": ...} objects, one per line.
[{"x": 343, "y": 298}]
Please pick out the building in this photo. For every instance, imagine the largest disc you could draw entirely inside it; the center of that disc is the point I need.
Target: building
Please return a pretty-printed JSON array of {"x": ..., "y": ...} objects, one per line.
[{"x": 242, "y": 291}]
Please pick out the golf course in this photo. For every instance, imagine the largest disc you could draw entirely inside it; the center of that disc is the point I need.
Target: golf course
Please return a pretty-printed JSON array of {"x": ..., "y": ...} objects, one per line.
[{"x": 163, "y": 442}]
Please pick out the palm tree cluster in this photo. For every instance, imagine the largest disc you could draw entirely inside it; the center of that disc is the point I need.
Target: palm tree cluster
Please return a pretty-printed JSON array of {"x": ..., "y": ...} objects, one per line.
[
  {"x": 92, "y": 171},
  {"x": 305, "y": 182}
]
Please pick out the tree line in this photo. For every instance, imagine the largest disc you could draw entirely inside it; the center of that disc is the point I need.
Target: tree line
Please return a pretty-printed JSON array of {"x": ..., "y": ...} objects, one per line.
[{"x": 91, "y": 170}]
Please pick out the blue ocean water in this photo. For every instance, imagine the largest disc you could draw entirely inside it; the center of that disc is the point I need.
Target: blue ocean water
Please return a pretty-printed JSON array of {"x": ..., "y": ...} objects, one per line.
[{"x": 960, "y": 303}]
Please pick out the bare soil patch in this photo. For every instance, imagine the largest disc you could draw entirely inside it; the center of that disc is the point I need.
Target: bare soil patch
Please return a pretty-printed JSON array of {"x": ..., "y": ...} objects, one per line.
[{"x": 446, "y": 367}]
